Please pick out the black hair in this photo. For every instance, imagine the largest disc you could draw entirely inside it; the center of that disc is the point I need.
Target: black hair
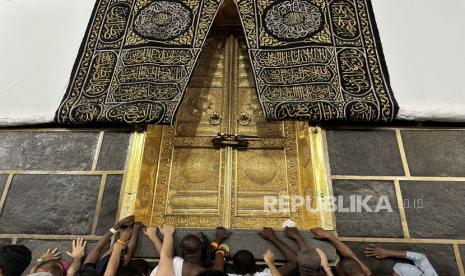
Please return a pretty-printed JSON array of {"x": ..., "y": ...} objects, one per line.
[
  {"x": 129, "y": 271},
  {"x": 244, "y": 262},
  {"x": 350, "y": 267},
  {"x": 88, "y": 270},
  {"x": 211, "y": 272},
  {"x": 135, "y": 267},
  {"x": 190, "y": 244},
  {"x": 14, "y": 259}
]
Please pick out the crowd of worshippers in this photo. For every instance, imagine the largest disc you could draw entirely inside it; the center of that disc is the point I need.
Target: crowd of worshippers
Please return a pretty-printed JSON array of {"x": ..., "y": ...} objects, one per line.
[{"x": 113, "y": 255}]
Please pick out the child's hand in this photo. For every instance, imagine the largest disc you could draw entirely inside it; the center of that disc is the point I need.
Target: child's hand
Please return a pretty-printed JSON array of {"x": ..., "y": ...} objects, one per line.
[
  {"x": 268, "y": 257},
  {"x": 51, "y": 255},
  {"x": 78, "y": 249}
]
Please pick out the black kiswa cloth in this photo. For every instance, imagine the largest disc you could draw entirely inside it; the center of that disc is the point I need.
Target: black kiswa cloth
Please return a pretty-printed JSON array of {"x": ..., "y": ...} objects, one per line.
[
  {"x": 135, "y": 61},
  {"x": 317, "y": 60}
]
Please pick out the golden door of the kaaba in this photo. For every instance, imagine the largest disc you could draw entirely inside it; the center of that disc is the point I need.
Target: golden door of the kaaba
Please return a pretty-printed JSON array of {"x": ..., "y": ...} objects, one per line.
[{"x": 188, "y": 181}]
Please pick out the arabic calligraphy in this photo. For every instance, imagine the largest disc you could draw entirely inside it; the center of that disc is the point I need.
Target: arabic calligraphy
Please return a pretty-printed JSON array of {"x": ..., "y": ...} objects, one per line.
[
  {"x": 124, "y": 72},
  {"x": 327, "y": 66}
]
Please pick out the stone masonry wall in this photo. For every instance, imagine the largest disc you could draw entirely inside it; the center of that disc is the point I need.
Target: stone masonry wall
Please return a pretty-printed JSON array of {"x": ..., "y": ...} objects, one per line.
[
  {"x": 422, "y": 173},
  {"x": 56, "y": 184}
]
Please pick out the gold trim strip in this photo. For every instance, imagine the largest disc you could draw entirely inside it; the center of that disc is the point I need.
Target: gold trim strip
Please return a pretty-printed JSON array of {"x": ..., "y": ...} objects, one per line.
[
  {"x": 97, "y": 150},
  {"x": 61, "y": 172},
  {"x": 398, "y": 178},
  {"x": 458, "y": 259},
  {"x": 5, "y": 191},
  {"x": 403, "y": 156},
  {"x": 128, "y": 194},
  {"x": 321, "y": 174},
  {"x": 98, "y": 207},
  {"x": 401, "y": 240},
  {"x": 228, "y": 180},
  {"x": 400, "y": 204}
]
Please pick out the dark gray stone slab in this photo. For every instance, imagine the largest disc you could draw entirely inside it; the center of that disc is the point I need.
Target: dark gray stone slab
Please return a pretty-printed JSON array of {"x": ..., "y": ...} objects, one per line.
[
  {"x": 109, "y": 206},
  {"x": 3, "y": 178},
  {"x": 436, "y": 209},
  {"x": 5, "y": 242},
  {"x": 47, "y": 150},
  {"x": 441, "y": 256},
  {"x": 435, "y": 152},
  {"x": 38, "y": 247},
  {"x": 114, "y": 150},
  {"x": 361, "y": 222},
  {"x": 239, "y": 239},
  {"x": 50, "y": 204},
  {"x": 364, "y": 152}
]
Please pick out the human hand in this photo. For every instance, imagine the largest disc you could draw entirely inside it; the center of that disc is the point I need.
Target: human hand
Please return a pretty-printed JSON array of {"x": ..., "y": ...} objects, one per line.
[
  {"x": 292, "y": 232},
  {"x": 78, "y": 248},
  {"x": 267, "y": 233},
  {"x": 221, "y": 234},
  {"x": 166, "y": 230},
  {"x": 127, "y": 221},
  {"x": 151, "y": 232},
  {"x": 125, "y": 234},
  {"x": 377, "y": 252},
  {"x": 322, "y": 234},
  {"x": 268, "y": 257},
  {"x": 51, "y": 255}
]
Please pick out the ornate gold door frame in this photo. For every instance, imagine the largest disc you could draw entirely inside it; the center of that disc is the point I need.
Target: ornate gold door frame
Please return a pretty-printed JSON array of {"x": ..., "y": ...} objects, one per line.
[{"x": 176, "y": 175}]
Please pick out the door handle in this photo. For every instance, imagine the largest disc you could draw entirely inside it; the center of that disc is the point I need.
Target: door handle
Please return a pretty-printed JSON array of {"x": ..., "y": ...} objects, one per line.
[
  {"x": 244, "y": 118},
  {"x": 215, "y": 118}
]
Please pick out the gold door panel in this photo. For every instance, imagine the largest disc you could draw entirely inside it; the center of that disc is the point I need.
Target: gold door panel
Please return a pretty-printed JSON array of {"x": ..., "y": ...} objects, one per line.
[{"x": 187, "y": 181}]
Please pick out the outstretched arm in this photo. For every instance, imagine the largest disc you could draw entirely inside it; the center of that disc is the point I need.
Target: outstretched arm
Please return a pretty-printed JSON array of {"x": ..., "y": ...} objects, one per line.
[
  {"x": 151, "y": 233},
  {"x": 77, "y": 253},
  {"x": 420, "y": 260},
  {"x": 294, "y": 233},
  {"x": 381, "y": 253},
  {"x": 132, "y": 242},
  {"x": 324, "y": 262},
  {"x": 268, "y": 257},
  {"x": 48, "y": 256},
  {"x": 119, "y": 246},
  {"x": 343, "y": 249},
  {"x": 165, "y": 266},
  {"x": 221, "y": 250},
  {"x": 94, "y": 255},
  {"x": 287, "y": 269}
]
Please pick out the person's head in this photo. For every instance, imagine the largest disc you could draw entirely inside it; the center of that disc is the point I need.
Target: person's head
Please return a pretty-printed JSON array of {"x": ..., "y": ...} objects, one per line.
[
  {"x": 14, "y": 259},
  {"x": 309, "y": 262},
  {"x": 244, "y": 262},
  {"x": 349, "y": 267},
  {"x": 191, "y": 245},
  {"x": 88, "y": 270},
  {"x": 136, "y": 267},
  {"x": 212, "y": 273},
  {"x": 55, "y": 268}
]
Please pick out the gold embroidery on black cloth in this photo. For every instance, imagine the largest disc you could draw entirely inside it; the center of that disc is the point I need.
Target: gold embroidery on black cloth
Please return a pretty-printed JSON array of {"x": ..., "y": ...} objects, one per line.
[
  {"x": 317, "y": 60},
  {"x": 136, "y": 60}
]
